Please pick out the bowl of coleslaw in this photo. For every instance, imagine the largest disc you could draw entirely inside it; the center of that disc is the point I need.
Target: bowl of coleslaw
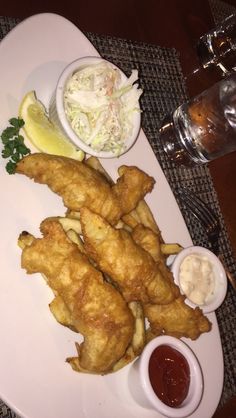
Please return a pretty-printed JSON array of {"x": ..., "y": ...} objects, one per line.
[{"x": 97, "y": 107}]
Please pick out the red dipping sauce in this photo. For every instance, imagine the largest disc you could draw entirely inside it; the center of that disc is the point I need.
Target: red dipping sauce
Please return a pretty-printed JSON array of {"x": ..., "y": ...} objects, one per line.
[{"x": 169, "y": 375}]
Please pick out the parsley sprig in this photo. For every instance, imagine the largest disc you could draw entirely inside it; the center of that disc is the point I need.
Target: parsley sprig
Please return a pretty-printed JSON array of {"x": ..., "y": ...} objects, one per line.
[{"x": 14, "y": 146}]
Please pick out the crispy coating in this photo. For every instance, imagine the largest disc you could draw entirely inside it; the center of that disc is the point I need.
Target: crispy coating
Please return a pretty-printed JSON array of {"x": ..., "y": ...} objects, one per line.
[
  {"x": 131, "y": 187},
  {"x": 176, "y": 319},
  {"x": 81, "y": 185},
  {"x": 151, "y": 242},
  {"x": 84, "y": 301},
  {"x": 129, "y": 265},
  {"x": 142, "y": 213},
  {"x": 148, "y": 240},
  {"x": 77, "y": 183}
]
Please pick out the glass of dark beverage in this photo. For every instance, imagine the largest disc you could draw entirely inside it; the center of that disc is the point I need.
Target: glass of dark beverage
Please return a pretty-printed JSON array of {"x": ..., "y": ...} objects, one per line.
[{"x": 203, "y": 128}]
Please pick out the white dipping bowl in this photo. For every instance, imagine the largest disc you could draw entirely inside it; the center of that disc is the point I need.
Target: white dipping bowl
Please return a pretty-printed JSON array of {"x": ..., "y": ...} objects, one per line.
[
  {"x": 141, "y": 388},
  {"x": 220, "y": 289},
  {"x": 58, "y": 116}
]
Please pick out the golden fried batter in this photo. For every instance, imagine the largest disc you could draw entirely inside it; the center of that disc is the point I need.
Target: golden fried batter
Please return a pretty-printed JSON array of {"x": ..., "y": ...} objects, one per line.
[
  {"x": 81, "y": 185},
  {"x": 131, "y": 187},
  {"x": 129, "y": 265},
  {"x": 84, "y": 301},
  {"x": 77, "y": 183},
  {"x": 176, "y": 319},
  {"x": 148, "y": 240}
]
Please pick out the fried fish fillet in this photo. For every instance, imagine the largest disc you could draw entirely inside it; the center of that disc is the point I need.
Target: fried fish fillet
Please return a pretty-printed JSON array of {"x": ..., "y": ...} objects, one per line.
[
  {"x": 131, "y": 187},
  {"x": 129, "y": 266},
  {"x": 152, "y": 243},
  {"x": 176, "y": 319},
  {"x": 148, "y": 240},
  {"x": 142, "y": 213},
  {"x": 81, "y": 185},
  {"x": 84, "y": 301}
]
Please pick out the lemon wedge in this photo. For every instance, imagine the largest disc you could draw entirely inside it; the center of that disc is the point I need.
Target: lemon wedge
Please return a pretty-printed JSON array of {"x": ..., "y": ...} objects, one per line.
[{"x": 42, "y": 133}]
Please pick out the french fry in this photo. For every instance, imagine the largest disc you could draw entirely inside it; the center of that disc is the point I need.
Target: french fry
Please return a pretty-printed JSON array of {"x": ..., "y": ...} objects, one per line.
[
  {"x": 74, "y": 237},
  {"x": 25, "y": 239},
  {"x": 72, "y": 227},
  {"x": 95, "y": 163},
  {"x": 146, "y": 217},
  {"x": 70, "y": 223},
  {"x": 170, "y": 249},
  {"x": 141, "y": 215},
  {"x": 123, "y": 225},
  {"x": 138, "y": 340}
]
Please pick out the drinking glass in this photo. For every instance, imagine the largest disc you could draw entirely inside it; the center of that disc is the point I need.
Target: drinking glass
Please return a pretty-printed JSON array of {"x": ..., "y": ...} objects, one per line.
[
  {"x": 218, "y": 47},
  {"x": 203, "y": 128}
]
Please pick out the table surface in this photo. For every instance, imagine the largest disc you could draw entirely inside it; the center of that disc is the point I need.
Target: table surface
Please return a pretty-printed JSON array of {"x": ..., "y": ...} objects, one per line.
[{"x": 168, "y": 23}]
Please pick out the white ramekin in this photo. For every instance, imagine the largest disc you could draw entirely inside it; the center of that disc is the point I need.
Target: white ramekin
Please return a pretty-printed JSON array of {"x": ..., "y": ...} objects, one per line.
[
  {"x": 219, "y": 272},
  {"x": 141, "y": 388},
  {"x": 58, "y": 116}
]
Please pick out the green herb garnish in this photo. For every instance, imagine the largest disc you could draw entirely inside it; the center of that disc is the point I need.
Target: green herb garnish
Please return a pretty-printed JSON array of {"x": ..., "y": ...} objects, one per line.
[{"x": 14, "y": 146}]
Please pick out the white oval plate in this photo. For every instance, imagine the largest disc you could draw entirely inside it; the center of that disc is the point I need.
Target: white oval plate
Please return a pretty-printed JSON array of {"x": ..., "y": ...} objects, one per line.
[{"x": 35, "y": 380}]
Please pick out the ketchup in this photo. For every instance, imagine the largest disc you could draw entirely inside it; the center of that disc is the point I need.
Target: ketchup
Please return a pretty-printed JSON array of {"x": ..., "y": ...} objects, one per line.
[{"x": 169, "y": 375}]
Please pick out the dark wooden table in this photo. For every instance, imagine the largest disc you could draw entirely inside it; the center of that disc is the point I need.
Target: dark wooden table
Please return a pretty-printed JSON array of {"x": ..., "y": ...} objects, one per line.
[{"x": 169, "y": 23}]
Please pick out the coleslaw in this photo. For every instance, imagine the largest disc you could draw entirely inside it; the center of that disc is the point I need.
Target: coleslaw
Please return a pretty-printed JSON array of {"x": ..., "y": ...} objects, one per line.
[{"x": 100, "y": 106}]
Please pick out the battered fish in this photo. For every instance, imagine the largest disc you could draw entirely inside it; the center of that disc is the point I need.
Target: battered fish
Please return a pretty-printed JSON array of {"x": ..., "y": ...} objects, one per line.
[
  {"x": 131, "y": 187},
  {"x": 128, "y": 265},
  {"x": 84, "y": 301},
  {"x": 80, "y": 185},
  {"x": 176, "y": 319},
  {"x": 149, "y": 241}
]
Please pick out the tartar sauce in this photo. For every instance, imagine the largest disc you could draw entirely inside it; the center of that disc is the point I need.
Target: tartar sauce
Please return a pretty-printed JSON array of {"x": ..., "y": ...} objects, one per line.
[{"x": 196, "y": 278}]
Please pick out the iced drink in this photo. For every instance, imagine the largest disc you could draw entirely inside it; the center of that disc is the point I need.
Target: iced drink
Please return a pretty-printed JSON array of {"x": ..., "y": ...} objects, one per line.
[{"x": 203, "y": 128}]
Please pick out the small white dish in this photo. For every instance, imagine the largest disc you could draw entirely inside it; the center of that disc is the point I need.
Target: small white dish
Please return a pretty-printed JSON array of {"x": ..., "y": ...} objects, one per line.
[
  {"x": 220, "y": 288},
  {"x": 58, "y": 116},
  {"x": 141, "y": 388}
]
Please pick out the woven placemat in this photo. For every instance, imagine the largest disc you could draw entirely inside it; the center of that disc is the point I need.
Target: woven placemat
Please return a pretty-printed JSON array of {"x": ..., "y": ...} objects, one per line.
[
  {"x": 220, "y": 10},
  {"x": 162, "y": 80}
]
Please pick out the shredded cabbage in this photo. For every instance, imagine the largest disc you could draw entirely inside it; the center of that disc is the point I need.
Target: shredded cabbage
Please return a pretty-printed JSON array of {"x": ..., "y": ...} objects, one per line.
[{"x": 100, "y": 107}]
